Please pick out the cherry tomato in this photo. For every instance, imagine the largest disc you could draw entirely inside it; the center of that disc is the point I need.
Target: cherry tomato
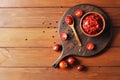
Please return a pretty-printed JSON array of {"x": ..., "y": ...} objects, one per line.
[
  {"x": 57, "y": 47},
  {"x": 78, "y": 13},
  {"x": 80, "y": 67},
  {"x": 63, "y": 36},
  {"x": 69, "y": 20},
  {"x": 63, "y": 65},
  {"x": 71, "y": 60},
  {"x": 90, "y": 46}
]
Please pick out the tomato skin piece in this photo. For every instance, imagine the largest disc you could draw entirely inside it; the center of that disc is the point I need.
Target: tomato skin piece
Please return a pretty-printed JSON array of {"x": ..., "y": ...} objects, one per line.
[
  {"x": 78, "y": 13},
  {"x": 90, "y": 46},
  {"x": 63, "y": 65},
  {"x": 69, "y": 20},
  {"x": 57, "y": 47},
  {"x": 71, "y": 60},
  {"x": 63, "y": 36}
]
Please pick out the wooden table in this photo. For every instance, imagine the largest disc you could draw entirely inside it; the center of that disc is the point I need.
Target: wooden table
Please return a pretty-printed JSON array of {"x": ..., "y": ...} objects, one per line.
[{"x": 28, "y": 30}]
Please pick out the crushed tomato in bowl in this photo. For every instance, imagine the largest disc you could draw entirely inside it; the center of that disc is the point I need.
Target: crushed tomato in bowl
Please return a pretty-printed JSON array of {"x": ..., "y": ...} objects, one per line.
[{"x": 92, "y": 24}]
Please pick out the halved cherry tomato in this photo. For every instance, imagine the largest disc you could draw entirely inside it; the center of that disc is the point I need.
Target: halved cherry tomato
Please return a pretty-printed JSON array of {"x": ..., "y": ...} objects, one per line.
[
  {"x": 90, "y": 46},
  {"x": 71, "y": 60},
  {"x": 63, "y": 36},
  {"x": 57, "y": 47},
  {"x": 63, "y": 65},
  {"x": 69, "y": 20},
  {"x": 78, "y": 13}
]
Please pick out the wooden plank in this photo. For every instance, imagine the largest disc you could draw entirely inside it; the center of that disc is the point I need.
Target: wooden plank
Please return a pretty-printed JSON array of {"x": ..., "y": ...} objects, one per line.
[
  {"x": 44, "y": 57},
  {"x": 57, "y": 3},
  {"x": 28, "y": 56},
  {"x": 38, "y": 37},
  {"x": 24, "y": 37},
  {"x": 42, "y": 17},
  {"x": 30, "y": 17},
  {"x": 93, "y": 73}
]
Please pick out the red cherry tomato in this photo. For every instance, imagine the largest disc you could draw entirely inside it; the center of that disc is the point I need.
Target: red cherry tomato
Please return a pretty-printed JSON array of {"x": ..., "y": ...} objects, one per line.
[
  {"x": 63, "y": 65},
  {"x": 57, "y": 47},
  {"x": 80, "y": 67},
  {"x": 63, "y": 36},
  {"x": 69, "y": 20},
  {"x": 90, "y": 46},
  {"x": 71, "y": 60},
  {"x": 78, "y": 13}
]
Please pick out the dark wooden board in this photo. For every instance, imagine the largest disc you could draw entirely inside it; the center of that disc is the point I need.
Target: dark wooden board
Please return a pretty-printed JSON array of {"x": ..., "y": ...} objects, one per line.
[{"x": 70, "y": 46}]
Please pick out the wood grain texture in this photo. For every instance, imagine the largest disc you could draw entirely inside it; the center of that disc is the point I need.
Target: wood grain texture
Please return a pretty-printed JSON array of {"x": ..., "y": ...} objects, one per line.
[
  {"x": 57, "y": 3},
  {"x": 42, "y": 17},
  {"x": 44, "y": 57},
  {"x": 94, "y": 73},
  {"x": 24, "y": 37},
  {"x": 38, "y": 37},
  {"x": 28, "y": 30}
]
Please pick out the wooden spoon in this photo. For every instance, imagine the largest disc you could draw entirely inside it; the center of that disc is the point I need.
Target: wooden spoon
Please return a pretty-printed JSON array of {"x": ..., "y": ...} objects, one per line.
[{"x": 74, "y": 31}]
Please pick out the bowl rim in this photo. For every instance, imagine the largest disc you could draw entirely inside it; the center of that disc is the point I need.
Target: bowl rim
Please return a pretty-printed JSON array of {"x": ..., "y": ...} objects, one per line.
[{"x": 103, "y": 20}]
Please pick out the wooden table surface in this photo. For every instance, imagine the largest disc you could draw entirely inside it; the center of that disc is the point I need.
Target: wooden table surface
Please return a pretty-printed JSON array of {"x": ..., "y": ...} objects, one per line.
[{"x": 28, "y": 30}]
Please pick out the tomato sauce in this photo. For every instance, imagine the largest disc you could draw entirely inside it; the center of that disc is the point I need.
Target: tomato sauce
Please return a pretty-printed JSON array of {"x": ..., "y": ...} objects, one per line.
[{"x": 92, "y": 24}]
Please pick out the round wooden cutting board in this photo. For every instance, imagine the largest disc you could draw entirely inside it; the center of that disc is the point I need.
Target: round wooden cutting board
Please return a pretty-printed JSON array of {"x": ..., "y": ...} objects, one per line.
[{"x": 70, "y": 46}]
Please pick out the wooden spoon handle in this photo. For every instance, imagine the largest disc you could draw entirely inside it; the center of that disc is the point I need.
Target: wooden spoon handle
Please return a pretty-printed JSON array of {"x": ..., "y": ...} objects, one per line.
[{"x": 76, "y": 36}]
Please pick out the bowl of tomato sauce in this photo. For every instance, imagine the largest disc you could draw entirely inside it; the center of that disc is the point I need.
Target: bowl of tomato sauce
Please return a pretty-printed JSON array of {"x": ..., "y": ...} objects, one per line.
[{"x": 92, "y": 24}]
